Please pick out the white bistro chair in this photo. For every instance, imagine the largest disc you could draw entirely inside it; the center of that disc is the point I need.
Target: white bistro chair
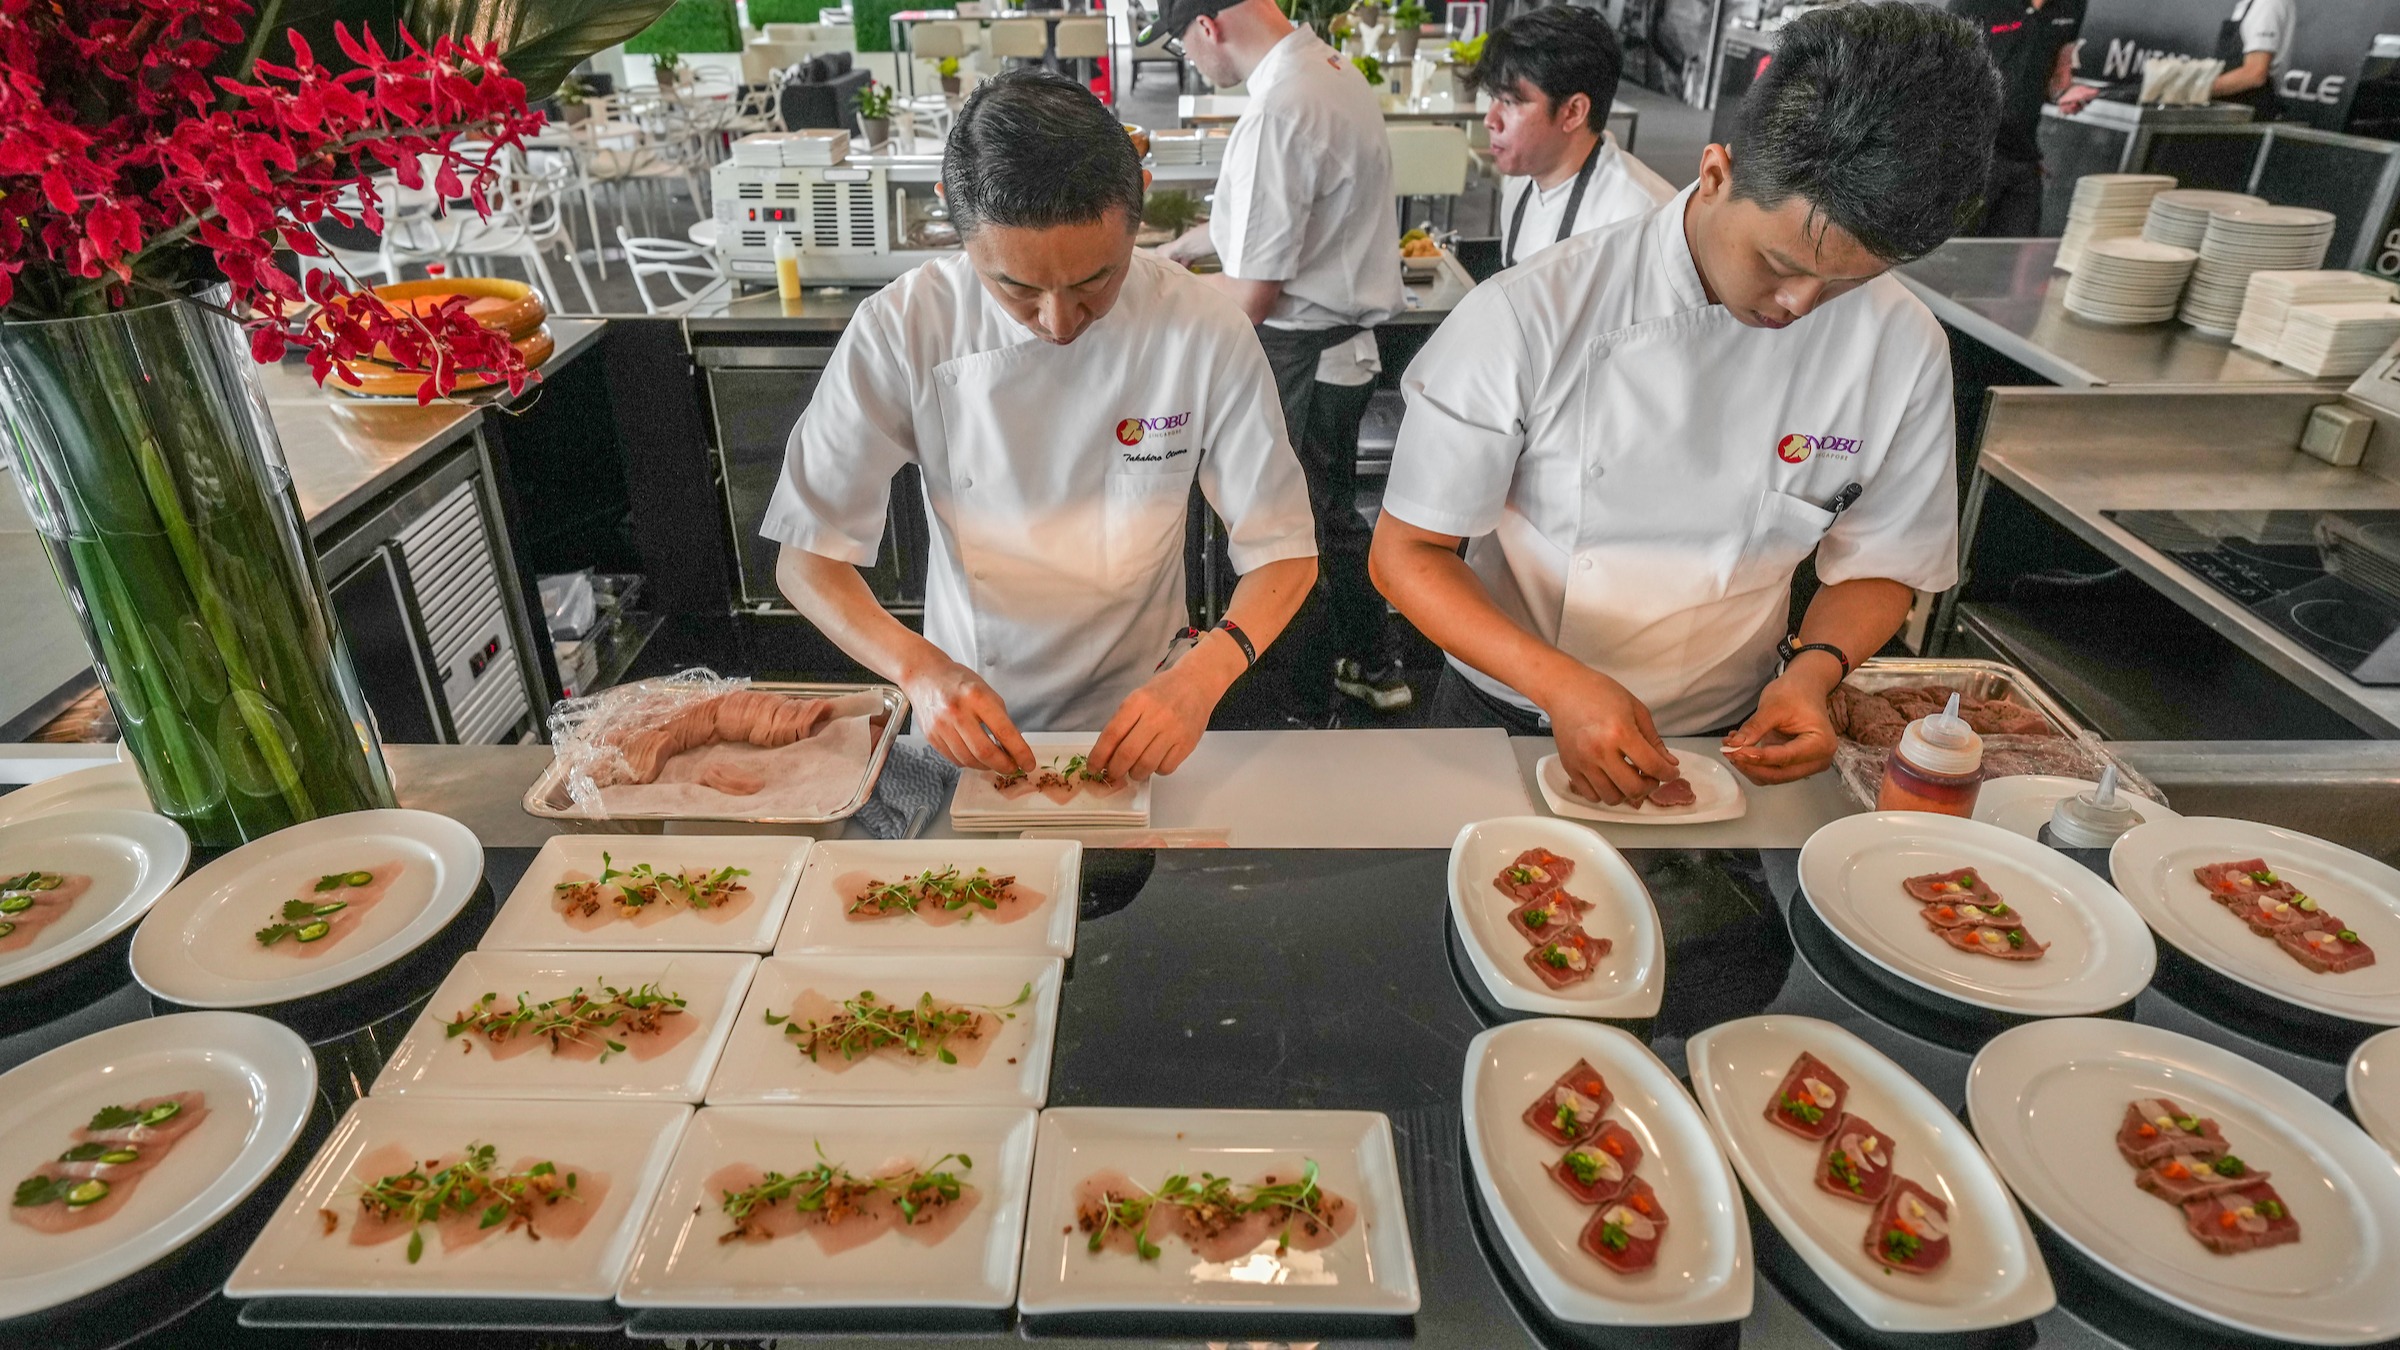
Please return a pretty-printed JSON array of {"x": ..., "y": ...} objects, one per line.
[
  {"x": 687, "y": 269},
  {"x": 1428, "y": 160}
]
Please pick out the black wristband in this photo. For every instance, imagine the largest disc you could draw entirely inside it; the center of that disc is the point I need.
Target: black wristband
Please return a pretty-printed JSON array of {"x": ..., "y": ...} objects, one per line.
[
  {"x": 1788, "y": 650},
  {"x": 1249, "y": 653}
]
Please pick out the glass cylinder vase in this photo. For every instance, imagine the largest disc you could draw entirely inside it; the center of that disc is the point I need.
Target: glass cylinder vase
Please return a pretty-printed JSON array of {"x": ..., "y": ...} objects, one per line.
[{"x": 147, "y": 457}]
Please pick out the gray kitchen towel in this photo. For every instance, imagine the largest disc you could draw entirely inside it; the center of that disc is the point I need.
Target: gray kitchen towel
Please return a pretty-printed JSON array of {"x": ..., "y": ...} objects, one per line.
[{"x": 915, "y": 784}]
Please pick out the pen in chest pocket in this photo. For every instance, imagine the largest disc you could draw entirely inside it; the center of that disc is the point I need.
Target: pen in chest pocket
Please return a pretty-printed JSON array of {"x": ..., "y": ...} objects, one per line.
[{"x": 1845, "y": 499}]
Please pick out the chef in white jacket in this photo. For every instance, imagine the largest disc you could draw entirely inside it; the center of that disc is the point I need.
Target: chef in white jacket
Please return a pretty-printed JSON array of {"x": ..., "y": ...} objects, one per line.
[
  {"x": 1654, "y": 423},
  {"x": 1061, "y": 394},
  {"x": 1552, "y": 76}
]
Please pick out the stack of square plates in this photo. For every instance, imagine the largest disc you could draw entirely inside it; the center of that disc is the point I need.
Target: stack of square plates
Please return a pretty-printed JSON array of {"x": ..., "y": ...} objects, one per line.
[
  {"x": 2129, "y": 280},
  {"x": 2179, "y": 216},
  {"x": 1055, "y": 796},
  {"x": 2340, "y": 340},
  {"x": 2250, "y": 239},
  {"x": 2272, "y": 295},
  {"x": 1188, "y": 145},
  {"x": 2106, "y": 206}
]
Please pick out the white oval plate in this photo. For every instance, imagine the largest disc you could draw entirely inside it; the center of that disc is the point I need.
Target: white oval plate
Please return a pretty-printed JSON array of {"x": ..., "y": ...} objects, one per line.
[
  {"x": 260, "y": 1081},
  {"x": 1632, "y": 977},
  {"x": 628, "y": 1142},
  {"x": 2373, "y": 1082},
  {"x": 1716, "y": 794},
  {"x": 680, "y": 1264},
  {"x": 132, "y": 858},
  {"x": 2100, "y": 953},
  {"x": 2153, "y": 866},
  {"x": 196, "y": 947},
  {"x": 762, "y": 1066},
  {"x": 432, "y": 1063},
  {"x": 105, "y": 787},
  {"x": 2047, "y": 1099},
  {"x": 2022, "y": 803},
  {"x": 531, "y": 922},
  {"x": 1704, "y": 1271},
  {"x": 1994, "y": 1277},
  {"x": 819, "y": 919}
]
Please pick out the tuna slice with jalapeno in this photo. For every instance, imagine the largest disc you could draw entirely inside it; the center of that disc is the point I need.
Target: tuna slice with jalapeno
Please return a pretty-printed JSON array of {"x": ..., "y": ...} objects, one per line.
[
  {"x": 1808, "y": 1101},
  {"x": 2242, "y": 1220},
  {"x": 1535, "y": 873},
  {"x": 2157, "y": 1128},
  {"x": 1625, "y": 1234},
  {"x": 1911, "y": 1229},
  {"x": 2183, "y": 1177},
  {"x": 1569, "y": 1110},
  {"x": 1856, "y": 1162}
]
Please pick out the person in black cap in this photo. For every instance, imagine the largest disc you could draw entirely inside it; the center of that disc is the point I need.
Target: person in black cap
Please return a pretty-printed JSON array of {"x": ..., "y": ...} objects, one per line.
[
  {"x": 1304, "y": 228},
  {"x": 2033, "y": 44}
]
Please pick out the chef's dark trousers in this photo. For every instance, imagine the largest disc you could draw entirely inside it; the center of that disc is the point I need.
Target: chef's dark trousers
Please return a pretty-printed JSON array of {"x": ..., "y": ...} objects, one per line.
[
  {"x": 1322, "y": 420},
  {"x": 2012, "y": 199},
  {"x": 1457, "y": 702}
]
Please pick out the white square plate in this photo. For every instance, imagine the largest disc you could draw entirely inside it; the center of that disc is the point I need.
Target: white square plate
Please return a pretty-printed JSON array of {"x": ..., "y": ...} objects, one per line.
[
  {"x": 763, "y": 1066},
  {"x": 681, "y": 1264},
  {"x": 1994, "y": 1277},
  {"x": 629, "y": 1143},
  {"x": 976, "y": 805},
  {"x": 1630, "y": 980},
  {"x": 2048, "y": 1100},
  {"x": 431, "y": 1063},
  {"x": 837, "y": 868},
  {"x": 1704, "y": 1264},
  {"x": 1369, "y": 1270},
  {"x": 530, "y": 921}
]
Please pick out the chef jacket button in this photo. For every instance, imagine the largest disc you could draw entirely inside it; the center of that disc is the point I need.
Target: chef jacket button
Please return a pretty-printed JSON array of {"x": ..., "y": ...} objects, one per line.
[
  {"x": 966, "y": 480},
  {"x": 1583, "y": 564}
]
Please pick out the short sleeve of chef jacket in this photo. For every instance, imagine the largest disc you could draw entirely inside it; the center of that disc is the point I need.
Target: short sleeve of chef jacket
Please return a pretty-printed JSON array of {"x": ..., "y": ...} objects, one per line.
[
  {"x": 1259, "y": 221},
  {"x": 859, "y": 430},
  {"x": 1904, "y": 526}
]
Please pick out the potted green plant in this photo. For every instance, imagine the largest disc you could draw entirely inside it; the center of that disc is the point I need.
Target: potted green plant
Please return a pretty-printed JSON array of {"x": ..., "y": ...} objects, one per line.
[
  {"x": 574, "y": 100},
  {"x": 947, "y": 69},
  {"x": 1369, "y": 67},
  {"x": 666, "y": 68},
  {"x": 875, "y": 113},
  {"x": 1463, "y": 58},
  {"x": 1408, "y": 25}
]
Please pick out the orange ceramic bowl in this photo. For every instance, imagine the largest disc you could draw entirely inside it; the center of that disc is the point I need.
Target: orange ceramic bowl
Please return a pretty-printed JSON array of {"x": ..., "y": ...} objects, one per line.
[{"x": 381, "y": 379}]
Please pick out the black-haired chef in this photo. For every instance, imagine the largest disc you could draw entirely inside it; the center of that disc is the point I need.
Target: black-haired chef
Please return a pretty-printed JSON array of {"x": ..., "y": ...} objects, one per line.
[
  {"x": 1552, "y": 74},
  {"x": 1652, "y": 424},
  {"x": 1061, "y": 394}
]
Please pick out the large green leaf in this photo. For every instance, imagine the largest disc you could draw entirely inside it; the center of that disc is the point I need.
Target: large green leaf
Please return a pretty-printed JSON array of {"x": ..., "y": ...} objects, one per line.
[{"x": 541, "y": 39}]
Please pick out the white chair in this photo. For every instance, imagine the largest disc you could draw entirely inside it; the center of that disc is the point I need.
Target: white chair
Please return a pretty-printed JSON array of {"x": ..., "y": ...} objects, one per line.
[
  {"x": 689, "y": 269},
  {"x": 528, "y": 218},
  {"x": 1020, "y": 39},
  {"x": 1428, "y": 160},
  {"x": 930, "y": 43},
  {"x": 1082, "y": 39}
]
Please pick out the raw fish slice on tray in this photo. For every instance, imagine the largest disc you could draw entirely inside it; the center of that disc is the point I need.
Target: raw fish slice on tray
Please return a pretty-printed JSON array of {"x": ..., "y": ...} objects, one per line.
[
  {"x": 1856, "y": 1162},
  {"x": 1569, "y": 1110},
  {"x": 1808, "y": 1102},
  {"x": 1911, "y": 1229},
  {"x": 1626, "y": 1233}
]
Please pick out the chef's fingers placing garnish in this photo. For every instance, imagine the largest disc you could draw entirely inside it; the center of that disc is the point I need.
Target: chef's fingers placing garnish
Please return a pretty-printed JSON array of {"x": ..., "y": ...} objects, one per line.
[
  {"x": 1787, "y": 739},
  {"x": 1157, "y": 724}
]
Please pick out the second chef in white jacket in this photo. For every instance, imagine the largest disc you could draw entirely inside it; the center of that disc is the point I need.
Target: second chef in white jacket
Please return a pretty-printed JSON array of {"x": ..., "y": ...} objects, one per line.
[
  {"x": 1552, "y": 74},
  {"x": 1651, "y": 459},
  {"x": 1062, "y": 394}
]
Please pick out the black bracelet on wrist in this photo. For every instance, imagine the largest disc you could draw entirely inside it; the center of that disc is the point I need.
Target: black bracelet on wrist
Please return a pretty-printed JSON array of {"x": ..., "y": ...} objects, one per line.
[
  {"x": 1788, "y": 650},
  {"x": 1241, "y": 639}
]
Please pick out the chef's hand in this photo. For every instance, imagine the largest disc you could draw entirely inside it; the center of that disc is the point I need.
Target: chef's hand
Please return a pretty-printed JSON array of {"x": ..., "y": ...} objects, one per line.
[
  {"x": 1157, "y": 725},
  {"x": 964, "y": 719},
  {"x": 1187, "y": 248},
  {"x": 1789, "y": 737},
  {"x": 2076, "y": 96},
  {"x": 1606, "y": 742}
]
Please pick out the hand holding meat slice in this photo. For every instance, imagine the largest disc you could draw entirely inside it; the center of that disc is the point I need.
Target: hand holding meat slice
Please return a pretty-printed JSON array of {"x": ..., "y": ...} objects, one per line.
[
  {"x": 1607, "y": 744},
  {"x": 1789, "y": 737}
]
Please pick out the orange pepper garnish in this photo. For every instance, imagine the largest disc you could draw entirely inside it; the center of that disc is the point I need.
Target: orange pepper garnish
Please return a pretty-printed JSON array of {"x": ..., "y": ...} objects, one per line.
[
  {"x": 1642, "y": 1203},
  {"x": 1946, "y": 912},
  {"x": 1591, "y": 1087},
  {"x": 2177, "y": 1170},
  {"x": 2226, "y": 1219},
  {"x": 1904, "y": 1226},
  {"x": 2147, "y": 1131},
  {"x": 1616, "y": 1149}
]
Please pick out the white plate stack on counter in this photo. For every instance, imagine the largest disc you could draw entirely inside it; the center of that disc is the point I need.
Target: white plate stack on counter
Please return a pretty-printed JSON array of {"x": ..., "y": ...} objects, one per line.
[
  {"x": 1058, "y": 794},
  {"x": 2338, "y": 341},
  {"x": 2107, "y": 206},
  {"x": 2268, "y": 304},
  {"x": 1188, "y": 145},
  {"x": 2129, "y": 280},
  {"x": 2179, "y": 216},
  {"x": 2245, "y": 240}
]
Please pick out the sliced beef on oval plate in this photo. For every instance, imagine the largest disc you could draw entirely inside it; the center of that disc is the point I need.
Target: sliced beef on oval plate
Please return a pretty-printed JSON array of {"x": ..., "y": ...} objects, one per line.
[
  {"x": 1535, "y": 873},
  {"x": 1545, "y": 916},
  {"x": 2270, "y": 915},
  {"x": 1591, "y": 1174},
  {"x": 1962, "y": 914},
  {"x": 1959, "y": 883},
  {"x": 1911, "y": 1229},
  {"x": 2334, "y": 951},
  {"x": 1856, "y": 1162},
  {"x": 1625, "y": 1234},
  {"x": 2006, "y": 944},
  {"x": 2242, "y": 1220},
  {"x": 1569, "y": 1110},
  {"x": 1808, "y": 1101},
  {"x": 1568, "y": 957},
  {"x": 2157, "y": 1128},
  {"x": 2240, "y": 880},
  {"x": 2183, "y": 1177}
]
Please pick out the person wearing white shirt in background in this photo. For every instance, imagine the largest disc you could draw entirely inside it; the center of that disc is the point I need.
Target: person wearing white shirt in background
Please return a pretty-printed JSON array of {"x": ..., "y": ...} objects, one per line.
[
  {"x": 2255, "y": 43},
  {"x": 1061, "y": 394},
  {"x": 1655, "y": 422},
  {"x": 1552, "y": 74},
  {"x": 1305, "y": 228}
]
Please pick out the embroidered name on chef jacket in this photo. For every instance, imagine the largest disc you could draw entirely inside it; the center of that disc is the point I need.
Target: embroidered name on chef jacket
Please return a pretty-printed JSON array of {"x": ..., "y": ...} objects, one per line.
[
  {"x": 1133, "y": 431},
  {"x": 1797, "y": 447}
]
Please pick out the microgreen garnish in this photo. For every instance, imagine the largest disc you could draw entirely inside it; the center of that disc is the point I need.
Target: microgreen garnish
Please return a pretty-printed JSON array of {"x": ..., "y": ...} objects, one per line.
[
  {"x": 947, "y": 889},
  {"x": 302, "y": 920},
  {"x": 1211, "y": 1205},
  {"x": 2268, "y": 1209},
  {"x": 1585, "y": 1167},
  {"x": 1899, "y": 1245},
  {"x": 1845, "y": 1171},
  {"x": 1803, "y": 1110},
  {"x": 642, "y": 885},
  {"x": 2229, "y": 1166},
  {"x": 466, "y": 1186},
  {"x": 866, "y": 1024},
  {"x": 833, "y": 1193},
  {"x": 578, "y": 1018}
]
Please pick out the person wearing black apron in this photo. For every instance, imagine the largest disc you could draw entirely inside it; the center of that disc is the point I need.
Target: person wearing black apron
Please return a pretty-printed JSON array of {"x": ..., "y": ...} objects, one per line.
[
  {"x": 2252, "y": 42},
  {"x": 2033, "y": 44},
  {"x": 1552, "y": 76}
]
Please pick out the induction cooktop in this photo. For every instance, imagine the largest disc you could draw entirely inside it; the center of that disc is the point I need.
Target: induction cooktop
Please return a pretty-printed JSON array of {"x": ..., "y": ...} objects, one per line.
[{"x": 2329, "y": 580}]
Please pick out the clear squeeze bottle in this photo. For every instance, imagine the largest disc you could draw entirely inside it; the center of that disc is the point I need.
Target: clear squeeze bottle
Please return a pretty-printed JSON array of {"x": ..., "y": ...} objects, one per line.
[
  {"x": 1938, "y": 766},
  {"x": 2092, "y": 819}
]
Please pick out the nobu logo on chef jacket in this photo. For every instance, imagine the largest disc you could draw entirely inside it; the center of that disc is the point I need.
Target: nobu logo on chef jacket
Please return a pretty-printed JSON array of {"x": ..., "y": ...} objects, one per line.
[
  {"x": 1797, "y": 447},
  {"x": 1133, "y": 429}
]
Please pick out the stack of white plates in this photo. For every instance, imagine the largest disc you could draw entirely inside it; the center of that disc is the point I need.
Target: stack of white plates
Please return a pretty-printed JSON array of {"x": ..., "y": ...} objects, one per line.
[
  {"x": 2179, "y": 216},
  {"x": 979, "y": 807},
  {"x": 2338, "y": 341},
  {"x": 2272, "y": 295},
  {"x": 1188, "y": 145},
  {"x": 2106, "y": 206},
  {"x": 2129, "y": 280},
  {"x": 2250, "y": 239}
]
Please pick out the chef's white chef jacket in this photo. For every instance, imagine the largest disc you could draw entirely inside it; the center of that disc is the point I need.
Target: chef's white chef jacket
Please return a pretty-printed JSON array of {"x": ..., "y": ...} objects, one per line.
[
  {"x": 2267, "y": 26},
  {"x": 1621, "y": 188},
  {"x": 1305, "y": 193},
  {"x": 1649, "y": 472},
  {"x": 1056, "y": 478}
]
